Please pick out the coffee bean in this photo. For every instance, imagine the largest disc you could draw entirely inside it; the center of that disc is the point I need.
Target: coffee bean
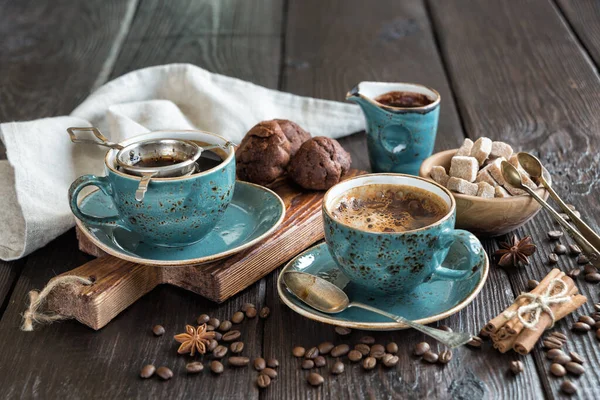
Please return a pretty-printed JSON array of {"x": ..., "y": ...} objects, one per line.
[
  {"x": 576, "y": 357},
  {"x": 595, "y": 315},
  {"x": 340, "y": 350},
  {"x": 231, "y": 336},
  {"x": 213, "y": 344},
  {"x": 251, "y": 313},
  {"x": 236, "y": 347},
  {"x": 532, "y": 284},
  {"x": 421, "y": 348},
  {"x": 247, "y": 306},
  {"x": 263, "y": 381},
  {"x": 238, "y": 361},
  {"x": 312, "y": 353},
  {"x": 164, "y": 373},
  {"x": 369, "y": 363},
  {"x": 342, "y": 331},
  {"x": 147, "y": 371},
  {"x": 597, "y": 307},
  {"x": 575, "y": 368},
  {"x": 216, "y": 367},
  {"x": 475, "y": 342},
  {"x": 390, "y": 360},
  {"x": 377, "y": 351},
  {"x": 298, "y": 351},
  {"x": 219, "y": 352},
  {"x": 325, "y": 347},
  {"x": 483, "y": 334},
  {"x": 555, "y": 340},
  {"x": 194, "y": 367},
  {"x": 307, "y": 363},
  {"x": 337, "y": 368},
  {"x": 586, "y": 319},
  {"x": 573, "y": 273},
  {"x": 158, "y": 330},
  {"x": 560, "y": 336},
  {"x": 557, "y": 370},
  {"x": 202, "y": 319},
  {"x": 214, "y": 322},
  {"x": 581, "y": 327},
  {"x": 596, "y": 325},
  {"x": 355, "y": 356},
  {"x": 315, "y": 379},
  {"x": 555, "y": 235},
  {"x": 592, "y": 278},
  {"x": 574, "y": 249},
  {"x": 560, "y": 249},
  {"x": 568, "y": 387},
  {"x": 237, "y": 317},
  {"x": 270, "y": 372},
  {"x": 589, "y": 269},
  {"x": 445, "y": 357},
  {"x": 364, "y": 349},
  {"x": 225, "y": 326},
  {"x": 553, "y": 353},
  {"x": 259, "y": 363},
  {"x": 320, "y": 362},
  {"x": 264, "y": 312},
  {"x": 598, "y": 334},
  {"x": 391, "y": 348},
  {"x": 562, "y": 359},
  {"x": 272, "y": 362},
  {"x": 582, "y": 259},
  {"x": 367, "y": 340},
  {"x": 218, "y": 336},
  {"x": 516, "y": 367},
  {"x": 548, "y": 344},
  {"x": 445, "y": 328},
  {"x": 552, "y": 258},
  {"x": 430, "y": 357}
]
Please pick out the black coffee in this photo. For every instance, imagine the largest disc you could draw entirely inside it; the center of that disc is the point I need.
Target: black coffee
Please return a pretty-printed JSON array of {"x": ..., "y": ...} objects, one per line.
[
  {"x": 388, "y": 208},
  {"x": 207, "y": 160},
  {"x": 404, "y": 99}
]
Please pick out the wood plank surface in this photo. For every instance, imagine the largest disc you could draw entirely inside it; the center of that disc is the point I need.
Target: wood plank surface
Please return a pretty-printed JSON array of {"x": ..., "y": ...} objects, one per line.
[
  {"x": 520, "y": 76},
  {"x": 583, "y": 16}
]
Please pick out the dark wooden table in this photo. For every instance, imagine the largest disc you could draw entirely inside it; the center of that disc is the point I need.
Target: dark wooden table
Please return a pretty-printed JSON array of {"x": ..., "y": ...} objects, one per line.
[{"x": 521, "y": 71}]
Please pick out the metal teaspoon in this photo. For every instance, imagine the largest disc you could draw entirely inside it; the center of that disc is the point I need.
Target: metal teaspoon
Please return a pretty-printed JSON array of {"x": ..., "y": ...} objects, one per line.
[
  {"x": 513, "y": 177},
  {"x": 324, "y": 296},
  {"x": 533, "y": 167}
]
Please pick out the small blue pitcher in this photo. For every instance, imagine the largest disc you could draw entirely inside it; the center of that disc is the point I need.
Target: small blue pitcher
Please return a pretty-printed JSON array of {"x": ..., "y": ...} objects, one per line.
[{"x": 399, "y": 138}]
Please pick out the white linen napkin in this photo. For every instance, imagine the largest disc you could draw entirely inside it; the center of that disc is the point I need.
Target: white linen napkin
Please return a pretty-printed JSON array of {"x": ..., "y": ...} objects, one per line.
[{"x": 42, "y": 161}]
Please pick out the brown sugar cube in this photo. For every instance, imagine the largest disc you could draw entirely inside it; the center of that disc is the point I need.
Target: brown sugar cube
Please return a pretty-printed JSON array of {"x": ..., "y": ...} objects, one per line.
[
  {"x": 484, "y": 176},
  {"x": 485, "y": 190},
  {"x": 481, "y": 149},
  {"x": 438, "y": 174},
  {"x": 465, "y": 149},
  {"x": 464, "y": 168},
  {"x": 501, "y": 192},
  {"x": 501, "y": 149},
  {"x": 462, "y": 186},
  {"x": 513, "y": 190},
  {"x": 514, "y": 161},
  {"x": 495, "y": 170}
]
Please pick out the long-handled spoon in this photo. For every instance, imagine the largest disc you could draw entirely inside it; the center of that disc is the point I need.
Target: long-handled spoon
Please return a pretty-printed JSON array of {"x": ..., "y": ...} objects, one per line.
[
  {"x": 513, "y": 177},
  {"x": 533, "y": 167},
  {"x": 328, "y": 298}
]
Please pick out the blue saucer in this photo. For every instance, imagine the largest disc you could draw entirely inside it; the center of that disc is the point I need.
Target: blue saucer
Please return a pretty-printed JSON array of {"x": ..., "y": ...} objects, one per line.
[
  {"x": 253, "y": 214},
  {"x": 429, "y": 302}
]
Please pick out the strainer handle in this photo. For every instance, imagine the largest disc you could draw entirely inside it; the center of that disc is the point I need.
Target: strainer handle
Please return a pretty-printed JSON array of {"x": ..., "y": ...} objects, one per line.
[
  {"x": 103, "y": 140},
  {"x": 77, "y": 186}
]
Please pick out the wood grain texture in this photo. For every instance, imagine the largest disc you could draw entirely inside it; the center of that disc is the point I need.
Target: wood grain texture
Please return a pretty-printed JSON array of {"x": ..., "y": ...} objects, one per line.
[
  {"x": 583, "y": 16},
  {"x": 529, "y": 83}
]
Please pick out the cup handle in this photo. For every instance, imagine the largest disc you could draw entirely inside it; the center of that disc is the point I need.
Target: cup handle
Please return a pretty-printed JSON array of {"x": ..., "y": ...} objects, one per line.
[
  {"x": 476, "y": 254},
  {"x": 77, "y": 186}
]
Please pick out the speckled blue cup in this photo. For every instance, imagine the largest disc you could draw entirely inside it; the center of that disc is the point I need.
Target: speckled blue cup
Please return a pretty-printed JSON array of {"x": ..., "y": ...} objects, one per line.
[
  {"x": 398, "y": 261},
  {"x": 174, "y": 212}
]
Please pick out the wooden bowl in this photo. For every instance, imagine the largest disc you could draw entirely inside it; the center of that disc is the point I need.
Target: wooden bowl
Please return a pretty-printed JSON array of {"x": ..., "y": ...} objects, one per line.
[{"x": 487, "y": 217}]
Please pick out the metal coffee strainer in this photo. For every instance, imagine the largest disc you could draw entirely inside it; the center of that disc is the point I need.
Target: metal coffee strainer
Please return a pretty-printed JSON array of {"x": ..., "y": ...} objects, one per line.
[{"x": 162, "y": 158}]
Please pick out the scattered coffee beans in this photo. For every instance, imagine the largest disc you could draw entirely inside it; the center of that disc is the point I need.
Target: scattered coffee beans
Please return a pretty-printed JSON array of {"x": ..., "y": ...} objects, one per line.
[
  {"x": 560, "y": 336},
  {"x": 147, "y": 371},
  {"x": 325, "y": 347},
  {"x": 238, "y": 317},
  {"x": 232, "y": 336},
  {"x": 219, "y": 352},
  {"x": 216, "y": 367},
  {"x": 342, "y": 331},
  {"x": 340, "y": 350},
  {"x": 213, "y": 344},
  {"x": 532, "y": 284},
  {"x": 597, "y": 306},
  {"x": 264, "y": 312},
  {"x": 298, "y": 351},
  {"x": 225, "y": 326},
  {"x": 576, "y": 357},
  {"x": 592, "y": 278},
  {"x": 270, "y": 372},
  {"x": 312, "y": 353},
  {"x": 586, "y": 319},
  {"x": 445, "y": 328},
  {"x": 560, "y": 249},
  {"x": 251, "y": 313},
  {"x": 202, "y": 319},
  {"x": 238, "y": 361},
  {"x": 574, "y": 273},
  {"x": 554, "y": 340},
  {"x": 557, "y": 370},
  {"x": 581, "y": 327},
  {"x": 391, "y": 348},
  {"x": 315, "y": 379},
  {"x": 355, "y": 356},
  {"x": 430, "y": 357},
  {"x": 553, "y": 353},
  {"x": 445, "y": 357},
  {"x": 476, "y": 342},
  {"x": 164, "y": 373},
  {"x": 307, "y": 363},
  {"x": 369, "y": 363},
  {"x": 273, "y": 362},
  {"x": 367, "y": 340},
  {"x": 218, "y": 336},
  {"x": 598, "y": 334},
  {"x": 568, "y": 387},
  {"x": 516, "y": 367},
  {"x": 552, "y": 258},
  {"x": 259, "y": 363},
  {"x": 236, "y": 347},
  {"x": 574, "y": 249},
  {"x": 158, "y": 330},
  {"x": 337, "y": 368},
  {"x": 582, "y": 259},
  {"x": 247, "y": 306},
  {"x": 575, "y": 368},
  {"x": 320, "y": 362},
  {"x": 194, "y": 367},
  {"x": 551, "y": 344},
  {"x": 390, "y": 360},
  {"x": 562, "y": 359},
  {"x": 555, "y": 235},
  {"x": 589, "y": 269},
  {"x": 263, "y": 381},
  {"x": 377, "y": 351},
  {"x": 421, "y": 348},
  {"x": 214, "y": 322}
]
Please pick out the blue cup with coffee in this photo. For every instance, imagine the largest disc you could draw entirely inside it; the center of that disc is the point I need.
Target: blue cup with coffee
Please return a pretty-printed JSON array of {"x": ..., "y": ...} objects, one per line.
[{"x": 402, "y": 120}]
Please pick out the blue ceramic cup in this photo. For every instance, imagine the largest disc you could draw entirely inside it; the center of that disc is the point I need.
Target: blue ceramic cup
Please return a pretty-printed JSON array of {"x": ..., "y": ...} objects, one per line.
[
  {"x": 398, "y": 261},
  {"x": 174, "y": 211},
  {"x": 398, "y": 138}
]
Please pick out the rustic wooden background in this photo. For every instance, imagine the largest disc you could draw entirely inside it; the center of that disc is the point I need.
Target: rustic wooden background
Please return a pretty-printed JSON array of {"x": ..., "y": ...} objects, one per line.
[{"x": 524, "y": 71}]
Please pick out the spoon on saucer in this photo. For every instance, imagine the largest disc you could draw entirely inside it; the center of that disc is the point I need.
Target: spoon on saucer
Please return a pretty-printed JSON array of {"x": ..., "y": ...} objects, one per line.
[
  {"x": 513, "y": 177},
  {"x": 533, "y": 167},
  {"x": 326, "y": 297}
]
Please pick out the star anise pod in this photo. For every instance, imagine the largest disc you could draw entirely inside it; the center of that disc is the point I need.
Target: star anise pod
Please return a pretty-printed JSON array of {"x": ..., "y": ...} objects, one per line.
[
  {"x": 194, "y": 339},
  {"x": 515, "y": 253}
]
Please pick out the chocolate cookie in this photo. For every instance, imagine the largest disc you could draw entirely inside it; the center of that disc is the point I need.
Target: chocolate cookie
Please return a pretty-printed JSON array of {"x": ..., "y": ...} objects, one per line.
[
  {"x": 265, "y": 151},
  {"x": 319, "y": 164}
]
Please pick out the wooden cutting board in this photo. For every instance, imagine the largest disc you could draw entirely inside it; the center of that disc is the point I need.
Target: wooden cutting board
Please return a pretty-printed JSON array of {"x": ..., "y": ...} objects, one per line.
[{"x": 118, "y": 283}]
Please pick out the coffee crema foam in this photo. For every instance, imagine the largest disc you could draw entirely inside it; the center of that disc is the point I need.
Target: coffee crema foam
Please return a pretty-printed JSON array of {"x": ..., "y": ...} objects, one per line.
[{"x": 384, "y": 208}]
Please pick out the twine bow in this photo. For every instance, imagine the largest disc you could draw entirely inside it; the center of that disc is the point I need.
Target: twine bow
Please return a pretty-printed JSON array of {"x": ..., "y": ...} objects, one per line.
[{"x": 539, "y": 303}]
